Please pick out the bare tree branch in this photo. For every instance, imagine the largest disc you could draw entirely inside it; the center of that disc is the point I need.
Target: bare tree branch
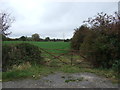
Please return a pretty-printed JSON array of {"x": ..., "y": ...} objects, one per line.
[{"x": 5, "y": 23}]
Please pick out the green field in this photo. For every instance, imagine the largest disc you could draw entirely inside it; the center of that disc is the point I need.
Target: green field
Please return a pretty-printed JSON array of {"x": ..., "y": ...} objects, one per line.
[{"x": 47, "y": 45}]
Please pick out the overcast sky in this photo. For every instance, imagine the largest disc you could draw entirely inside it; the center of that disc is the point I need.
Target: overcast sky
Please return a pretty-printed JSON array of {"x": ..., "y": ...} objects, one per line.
[{"x": 51, "y": 19}]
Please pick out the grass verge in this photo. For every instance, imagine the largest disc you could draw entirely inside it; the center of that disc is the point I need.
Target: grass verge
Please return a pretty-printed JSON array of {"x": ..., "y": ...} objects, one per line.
[{"x": 36, "y": 71}]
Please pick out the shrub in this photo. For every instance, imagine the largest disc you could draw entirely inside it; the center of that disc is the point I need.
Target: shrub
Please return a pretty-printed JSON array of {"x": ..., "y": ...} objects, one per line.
[
  {"x": 20, "y": 53},
  {"x": 78, "y": 37},
  {"x": 101, "y": 43},
  {"x": 116, "y": 65},
  {"x": 101, "y": 51}
]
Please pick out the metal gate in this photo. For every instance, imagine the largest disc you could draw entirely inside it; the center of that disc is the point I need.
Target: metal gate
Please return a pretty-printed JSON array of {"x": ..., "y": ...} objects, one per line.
[{"x": 70, "y": 57}]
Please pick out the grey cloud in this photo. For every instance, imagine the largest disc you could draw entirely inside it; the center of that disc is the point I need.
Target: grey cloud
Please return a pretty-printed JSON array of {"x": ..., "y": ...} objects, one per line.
[{"x": 52, "y": 18}]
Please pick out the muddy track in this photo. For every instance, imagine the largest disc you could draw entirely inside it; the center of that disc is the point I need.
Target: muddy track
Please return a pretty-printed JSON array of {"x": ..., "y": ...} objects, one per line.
[{"x": 63, "y": 80}]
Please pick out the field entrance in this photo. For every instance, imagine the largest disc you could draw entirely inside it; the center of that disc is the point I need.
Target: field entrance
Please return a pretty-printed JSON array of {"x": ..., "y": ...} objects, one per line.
[
  {"x": 56, "y": 54},
  {"x": 59, "y": 57}
]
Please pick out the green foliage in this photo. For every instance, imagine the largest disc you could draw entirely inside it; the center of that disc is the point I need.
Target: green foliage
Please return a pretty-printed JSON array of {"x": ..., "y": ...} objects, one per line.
[
  {"x": 15, "y": 74},
  {"x": 23, "y": 38},
  {"x": 35, "y": 37},
  {"x": 116, "y": 65},
  {"x": 19, "y": 53},
  {"x": 101, "y": 43},
  {"x": 78, "y": 37},
  {"x": 47, "y": 39},
  {"x": 101, "y": 52},
  {"x": 89, "y": 40},
  {"x": 70, "y": 80},
  {"x": 35, "y": 71},
  {"x": 69, "y": 69},
  {"x": 74, "y": 80}
]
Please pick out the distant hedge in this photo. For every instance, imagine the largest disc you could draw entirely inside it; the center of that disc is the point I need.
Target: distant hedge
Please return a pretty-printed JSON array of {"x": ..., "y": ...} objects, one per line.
[{"x": 19, "y": 53}]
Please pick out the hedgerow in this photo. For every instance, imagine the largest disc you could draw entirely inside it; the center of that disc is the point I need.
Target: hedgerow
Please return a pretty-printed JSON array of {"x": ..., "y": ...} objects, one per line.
[
  {"x": 101, "y": 41},
  {"x": 20, "y": 53}
]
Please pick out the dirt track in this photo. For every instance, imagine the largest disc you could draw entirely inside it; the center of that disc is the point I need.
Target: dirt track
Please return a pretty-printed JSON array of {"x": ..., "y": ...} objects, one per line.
[{"x": 63, "y": 80}]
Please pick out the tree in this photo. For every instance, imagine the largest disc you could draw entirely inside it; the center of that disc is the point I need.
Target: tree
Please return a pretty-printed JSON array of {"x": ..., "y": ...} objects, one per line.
[
  {"x": 35, "y": 37},
  {"x": 29, "y": 38},
  {"x": 47, "y": 39},
  {"x": 23, "y": 38},
  {"x": 5, "y": 23},
  {"x": 105, "y": 23}
]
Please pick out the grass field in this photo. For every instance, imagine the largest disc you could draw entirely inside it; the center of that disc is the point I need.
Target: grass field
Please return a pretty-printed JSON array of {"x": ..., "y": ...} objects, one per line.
[{"x": 48, "y": 45}]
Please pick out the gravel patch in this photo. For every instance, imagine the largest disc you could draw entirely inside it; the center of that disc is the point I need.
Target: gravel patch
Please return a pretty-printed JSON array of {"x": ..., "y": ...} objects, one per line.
[{"x": 58, "y": 80}]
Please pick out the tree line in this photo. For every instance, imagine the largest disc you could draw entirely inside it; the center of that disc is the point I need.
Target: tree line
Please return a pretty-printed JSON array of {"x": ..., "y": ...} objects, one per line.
[{"x": 34, "y": 37}]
